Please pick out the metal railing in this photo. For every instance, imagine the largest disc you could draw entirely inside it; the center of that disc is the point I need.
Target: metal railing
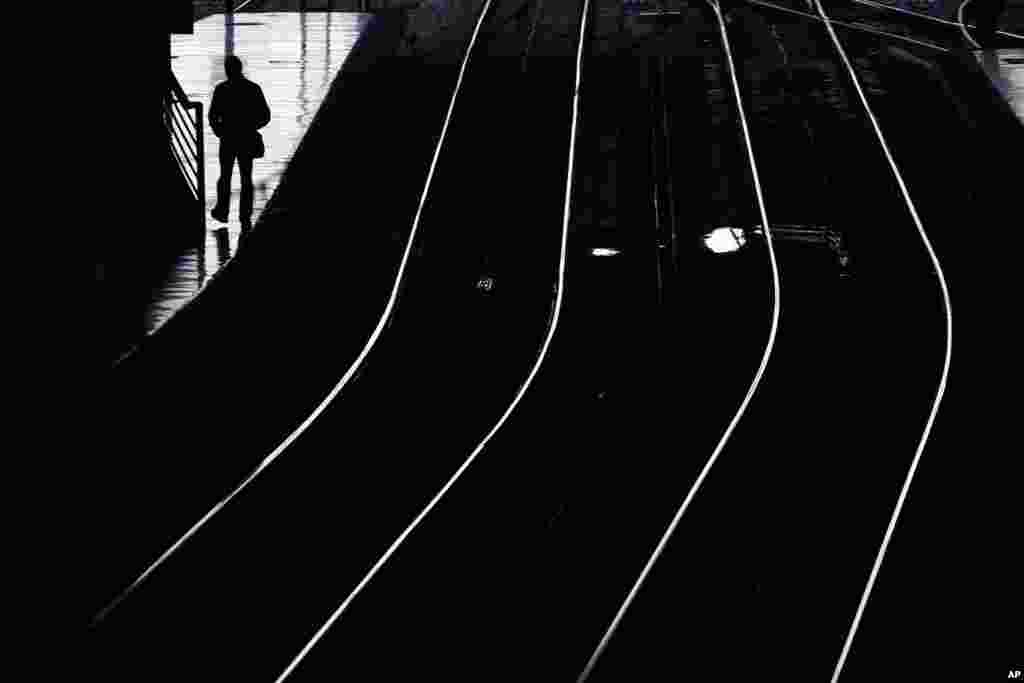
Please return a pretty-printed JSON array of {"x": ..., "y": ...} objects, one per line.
[{"x": 184, "y": 123}]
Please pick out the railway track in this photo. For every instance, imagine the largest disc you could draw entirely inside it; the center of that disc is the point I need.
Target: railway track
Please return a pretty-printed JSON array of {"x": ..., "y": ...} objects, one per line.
[
  {"x": 636, "y": 458},
  {"x": 773, "y": 557},
  {"x": 449, "y": 360}
]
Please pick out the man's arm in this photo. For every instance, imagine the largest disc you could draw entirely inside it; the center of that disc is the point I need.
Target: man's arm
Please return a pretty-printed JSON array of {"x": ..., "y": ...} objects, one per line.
[
  {"x": 264, "y": 110},
  {"x": 215, "y": 116}
]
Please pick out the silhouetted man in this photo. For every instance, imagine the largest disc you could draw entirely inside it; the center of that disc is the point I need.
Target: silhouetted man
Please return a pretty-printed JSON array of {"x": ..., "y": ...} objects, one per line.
[{"x": 237, "y": 112}]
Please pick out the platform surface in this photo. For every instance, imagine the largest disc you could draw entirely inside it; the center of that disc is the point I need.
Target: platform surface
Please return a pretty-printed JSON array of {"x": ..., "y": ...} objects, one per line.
[
  {"x": 1005, "y": 69},
  {"x": 293, "y": 56}
]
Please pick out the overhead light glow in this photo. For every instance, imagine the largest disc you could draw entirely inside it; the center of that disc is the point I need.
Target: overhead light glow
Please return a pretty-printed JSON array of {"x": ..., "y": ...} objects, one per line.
[
  {"x": 724, "y": 240},
  {"x": 602, "y": 251}
]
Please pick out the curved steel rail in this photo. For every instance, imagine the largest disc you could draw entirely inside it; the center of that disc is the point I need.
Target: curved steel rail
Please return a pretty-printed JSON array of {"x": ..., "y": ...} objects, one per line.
[
  {"x": 940, "y": 391},
  {"x": 333, "y": 393},
  {"x": 927, "y": 17},
  {"x": 963, "y": 26},
  {"x": 848, "y": 25},
  {"x": 522, "y": 390},
  {"x": 776, "y": 309}
]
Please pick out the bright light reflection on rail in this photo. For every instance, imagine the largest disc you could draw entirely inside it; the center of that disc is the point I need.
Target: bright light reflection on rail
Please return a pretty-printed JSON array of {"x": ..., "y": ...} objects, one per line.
[{"x": 725, "y": 240}]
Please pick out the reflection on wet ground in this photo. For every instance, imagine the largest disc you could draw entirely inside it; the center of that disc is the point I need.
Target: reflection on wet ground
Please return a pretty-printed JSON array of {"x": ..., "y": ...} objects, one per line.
[
  {"x": 725, "y": 240},
  {"x": 294, "y": 57},
  {"x": 1005, "y": 68}
]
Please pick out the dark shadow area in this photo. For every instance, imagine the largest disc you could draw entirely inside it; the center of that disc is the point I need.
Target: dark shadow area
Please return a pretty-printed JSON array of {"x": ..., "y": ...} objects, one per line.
[
  {"x": 533, "y": 549},
  {"x": 134, "y": 255},
  {"x": 185, "y": 418},
  {"x": 445, "y": 369},
  {"x": 773, "y": 556},
  {"x": 522, "y": 566}
]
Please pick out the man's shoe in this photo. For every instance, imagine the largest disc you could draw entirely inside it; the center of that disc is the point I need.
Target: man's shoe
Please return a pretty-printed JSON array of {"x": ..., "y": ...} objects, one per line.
[{"x": 218, "y": 215}]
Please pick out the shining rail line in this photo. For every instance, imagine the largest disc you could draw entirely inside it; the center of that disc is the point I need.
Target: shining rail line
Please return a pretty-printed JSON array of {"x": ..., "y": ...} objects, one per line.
[
  {"x": 553, "y": 324},
  {"x": 929, "y": 17},
  {"x": 345, "y": 379},
  {"x": 963, "y": 26},
  {"x": 940, "y": 391},
  {"x": 847, "y": 25},
  {"x": 776, "y": 309}
]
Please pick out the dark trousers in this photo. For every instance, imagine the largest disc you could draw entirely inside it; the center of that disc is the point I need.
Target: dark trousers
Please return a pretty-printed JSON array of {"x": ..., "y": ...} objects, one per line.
[{"x": 228, "y": 154}]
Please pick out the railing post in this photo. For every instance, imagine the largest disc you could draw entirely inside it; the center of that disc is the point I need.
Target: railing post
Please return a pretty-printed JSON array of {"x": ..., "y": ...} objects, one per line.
[
  {"x": 200, "y": 165},
  {"x": 176, "y": 98}
]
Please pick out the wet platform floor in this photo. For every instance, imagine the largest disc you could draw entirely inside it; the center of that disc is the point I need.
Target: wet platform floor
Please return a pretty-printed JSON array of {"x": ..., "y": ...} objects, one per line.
[
  {"x": 294, "y": 57},
  {"x": 1005, "y": 69}
]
